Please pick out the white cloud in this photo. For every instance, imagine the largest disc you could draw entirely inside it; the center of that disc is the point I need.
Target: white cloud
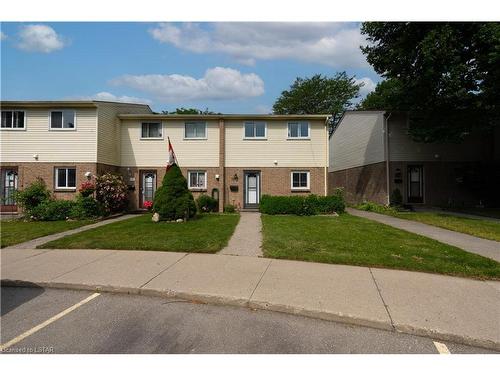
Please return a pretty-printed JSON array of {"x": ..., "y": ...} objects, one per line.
[
  {"x": 217, "y": 83},
  {"x": 368, "y": 86},
  {"x": 3, "y": 36},
  {"x": 333, "y": 44},
  {"x": 39, "y": 38},
  {"x": 263, "y": 109},
  {"x": 108, "y": 97}
]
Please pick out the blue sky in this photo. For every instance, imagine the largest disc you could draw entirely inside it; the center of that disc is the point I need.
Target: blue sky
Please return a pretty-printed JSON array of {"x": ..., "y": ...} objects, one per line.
[{"x": 227, "y": 67}]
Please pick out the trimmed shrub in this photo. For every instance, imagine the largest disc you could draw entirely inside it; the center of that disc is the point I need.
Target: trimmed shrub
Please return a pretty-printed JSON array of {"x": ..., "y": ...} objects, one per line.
[
  {"x": 206, "y": 203},
  {"x": 32, "y": 196},
  {"x": 302, "y": 205},
  {"x": 173, "y": 200},
  {"x": 86, "y": 208},
  {"x": 375, "y": 207},
  {"x": 52, "y": 210},
  {"x": 229, "y": 209},
  {"x": 111, "y": 193},
  {"x": 396, "y": 198}
]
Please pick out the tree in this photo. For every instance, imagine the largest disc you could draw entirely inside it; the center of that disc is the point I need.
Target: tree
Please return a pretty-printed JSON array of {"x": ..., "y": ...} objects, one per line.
[
  {"x": 386, "y": 96},
  {"x": 189, "y": 111},
  {"x": 449, "y": 74},
  {"x": 318, "y": 95},
  {"x": 173, "y": 200}
]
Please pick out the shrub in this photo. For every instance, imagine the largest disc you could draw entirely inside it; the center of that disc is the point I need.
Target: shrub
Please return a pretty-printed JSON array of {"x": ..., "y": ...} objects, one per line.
[
  {"x": 86, "y": 208},
  {"x": 396, "y": 198},
  {"x": 229, "y": 208},
  {"x": 32, "y": 196},
  {"x": 173, "y": 200},
  {"x": 111, "y": 192},
  {"x": 52, "y": 210},
  {"x": 206, "y": 203},
  {"x": 375, "y": 207},
  {"x": 87, "y": 188},
  {"x": 147, "y": 205},
  {"x": 302, "y": 205}
]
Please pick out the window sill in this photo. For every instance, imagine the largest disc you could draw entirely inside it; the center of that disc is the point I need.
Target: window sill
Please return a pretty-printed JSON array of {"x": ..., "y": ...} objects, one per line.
[
  {"x": 194, "y": 139},
  {"x": 62, "y": 129},
  {"x": 68, "y": 190},
  {"x": 298, "y": 139},
  {"x": 152, "y": 139},
  {"x": 255, "y": 139},
  {"x": 301, "y": 190},
  {"x": 197, "y": 189},
  {"x": 13, "y": 129}
]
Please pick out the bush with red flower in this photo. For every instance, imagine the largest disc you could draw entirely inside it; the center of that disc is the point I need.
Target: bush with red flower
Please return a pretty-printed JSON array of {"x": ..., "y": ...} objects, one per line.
[
  {"x": 87, "y": 188},
  {"x": 147, "y": 205},
  {"x": 111, "y": 192}
]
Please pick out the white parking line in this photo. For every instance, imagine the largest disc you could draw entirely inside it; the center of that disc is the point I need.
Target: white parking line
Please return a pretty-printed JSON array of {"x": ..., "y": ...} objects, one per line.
[
  {"x": 441, "y": 348},
  {"x": 47, "y": 322}
]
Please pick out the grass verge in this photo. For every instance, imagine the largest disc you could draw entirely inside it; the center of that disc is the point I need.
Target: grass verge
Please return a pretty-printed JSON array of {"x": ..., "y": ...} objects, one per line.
[
  {"x": 357, "y": 241},
  {"x": 207, "y": 234},
  {"x": 17, "y": 231}
]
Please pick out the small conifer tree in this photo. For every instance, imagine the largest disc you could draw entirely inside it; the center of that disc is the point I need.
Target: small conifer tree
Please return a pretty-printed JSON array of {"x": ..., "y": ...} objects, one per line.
[{"x": 173, "y": 200}]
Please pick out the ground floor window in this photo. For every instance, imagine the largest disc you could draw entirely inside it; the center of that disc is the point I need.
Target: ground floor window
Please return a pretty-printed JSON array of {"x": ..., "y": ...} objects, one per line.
[
  {"x": 197, "y": 179},
  {"x": 300, "y": 180},
  {"x": 65, "y": 178}
]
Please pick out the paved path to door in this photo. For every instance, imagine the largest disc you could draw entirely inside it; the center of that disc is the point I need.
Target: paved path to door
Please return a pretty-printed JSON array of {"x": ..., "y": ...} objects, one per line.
[
  {"x": 247, "y": 237},
  {"x": 476, "y": 245},
  {"x": 52, "y": 237}
]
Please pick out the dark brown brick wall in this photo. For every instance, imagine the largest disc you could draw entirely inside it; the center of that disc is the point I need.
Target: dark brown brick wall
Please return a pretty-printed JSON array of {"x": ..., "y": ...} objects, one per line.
[{"x": 361, "y": 183}]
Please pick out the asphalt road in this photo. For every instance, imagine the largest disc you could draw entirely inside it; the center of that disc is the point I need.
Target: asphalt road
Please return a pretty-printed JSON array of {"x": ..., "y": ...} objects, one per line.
[{"x": 114, "y": 323}]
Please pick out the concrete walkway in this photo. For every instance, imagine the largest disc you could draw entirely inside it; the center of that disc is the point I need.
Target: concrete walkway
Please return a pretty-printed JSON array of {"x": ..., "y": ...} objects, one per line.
[
  {"x": 51, "y": 237},
  {"x": 476, "y": 245},
  {"x": 442, "y": 307},
  {"x": 247, "y": 237}
]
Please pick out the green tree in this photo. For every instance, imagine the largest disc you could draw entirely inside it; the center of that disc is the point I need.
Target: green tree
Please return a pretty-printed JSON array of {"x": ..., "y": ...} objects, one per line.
[
  {"x": 173, "y": 200},
  {"x": 386, "y": 96},
  {"x": 318, "y": 94},
  {"x": 189, "y": 111},
  {"x": 448, "y": 72}
]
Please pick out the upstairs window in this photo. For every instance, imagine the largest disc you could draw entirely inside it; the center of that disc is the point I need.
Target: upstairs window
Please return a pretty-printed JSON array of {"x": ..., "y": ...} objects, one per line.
[
  {"x": 62, "y": 120},
  {"x": 300, "y": 180},
  {"x": 255, "y": 129},
  {"x": 13, "y": 120},
  {"x": 194, "y": 130},
  {"x": 298, "y": 129},
  {"x": 151, "y": 130},
  {"x": 65, "y": 178}
]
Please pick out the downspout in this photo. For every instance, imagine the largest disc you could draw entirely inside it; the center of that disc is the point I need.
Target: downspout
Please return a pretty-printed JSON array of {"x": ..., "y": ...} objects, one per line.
[
  {"x": 327, "y": 155},
  {"x": 386, "y": 155}
]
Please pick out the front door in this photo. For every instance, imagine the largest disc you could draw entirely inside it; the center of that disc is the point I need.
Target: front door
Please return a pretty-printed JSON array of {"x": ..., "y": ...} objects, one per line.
[
  {"x": 252, "y": 189},
  {"x": 148, "y": 186},
  {"x": 415, "y": 184},
  {"x": 9, "y": 186}
]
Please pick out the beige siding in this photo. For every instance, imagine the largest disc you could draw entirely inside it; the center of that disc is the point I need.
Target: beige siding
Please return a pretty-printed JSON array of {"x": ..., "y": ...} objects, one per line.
[
  {"x": 242, "y": 152},
  {"x": 358, "y": 141},
  {"x": 51, "y": 145},
  {"x": 403, "y": 148},
  {"x": 108, "y": 141},
  {"x": 154, "y": 153}
]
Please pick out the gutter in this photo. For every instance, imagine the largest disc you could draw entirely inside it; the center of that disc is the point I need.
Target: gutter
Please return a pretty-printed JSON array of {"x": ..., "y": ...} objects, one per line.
[{"x": 386, "y": 154}]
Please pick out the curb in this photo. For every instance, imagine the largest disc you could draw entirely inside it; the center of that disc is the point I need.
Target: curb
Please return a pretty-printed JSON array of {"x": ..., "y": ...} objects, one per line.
[{"x": 338, "y": 317}]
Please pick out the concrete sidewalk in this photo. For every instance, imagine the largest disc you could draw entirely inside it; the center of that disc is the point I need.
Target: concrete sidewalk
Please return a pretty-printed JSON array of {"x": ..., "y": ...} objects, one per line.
[
  {"x": 247, "y": 237},
  {"x": 448, "y": 308},
  {"x": 476, "y": 245}
]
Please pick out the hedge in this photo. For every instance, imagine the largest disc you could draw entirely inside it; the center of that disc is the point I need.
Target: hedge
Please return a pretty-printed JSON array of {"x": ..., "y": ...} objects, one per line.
[{"x": 302, "y": 205}]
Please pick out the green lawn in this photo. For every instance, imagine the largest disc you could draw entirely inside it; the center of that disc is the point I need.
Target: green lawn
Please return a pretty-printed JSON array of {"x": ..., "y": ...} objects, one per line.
[
  {"x": 206, "y": 234},
  {"x": 356, "y": 241},
  {"x": 17, "y": 231},
  {"x": 486, "y": 212}
]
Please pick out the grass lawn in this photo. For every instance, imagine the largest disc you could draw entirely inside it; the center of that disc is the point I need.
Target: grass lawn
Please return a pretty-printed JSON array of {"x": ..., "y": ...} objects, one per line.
[
  {"x": 17, "y": 231},
  {"x": 357, "y": 241},
  {"x": 206, "y": 234},
  {"x": 486, "y": 212}
]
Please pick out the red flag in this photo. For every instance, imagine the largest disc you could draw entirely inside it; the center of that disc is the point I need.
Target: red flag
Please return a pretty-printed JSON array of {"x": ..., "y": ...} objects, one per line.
[{"x": 171, "y": 155}]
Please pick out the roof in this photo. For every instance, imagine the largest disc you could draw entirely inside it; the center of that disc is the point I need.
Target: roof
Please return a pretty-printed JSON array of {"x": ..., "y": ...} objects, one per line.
[
  {"x": 323, "y": 117},
  {"x": 61, "y": 103}
]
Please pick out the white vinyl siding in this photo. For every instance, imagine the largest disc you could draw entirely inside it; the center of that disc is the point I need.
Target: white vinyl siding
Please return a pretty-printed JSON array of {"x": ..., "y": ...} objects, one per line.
[
  {"x": 300, "y": 180},
  {"x": 189, "y": 153},
  {"x": 197, "y": 180},
  {"x": 62, "y": 119},
  {"x": 77, "y": 146},
  {"x": 195, "y": 130},
  {"x": 255, "y": 130},
  {"x": 277, "y": 147},
  {"x": 65, "y": 178},
  {"x": 13, "y": 120}
]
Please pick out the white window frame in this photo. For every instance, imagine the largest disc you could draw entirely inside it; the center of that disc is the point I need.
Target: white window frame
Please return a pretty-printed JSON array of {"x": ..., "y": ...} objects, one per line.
[
  {"x": 255, "y": 137},
  {"x": 12, "y": 128},
  {"x": 63, "y": 128},
  {"x": 56, "y": 179},
  {"x": 197, "y": 187},
  {"x": 300, "y": 136},
  {"x": 152, "y": 138},
  {"x": 195, "y": 122},
  {"x": 308, "y": 187}
]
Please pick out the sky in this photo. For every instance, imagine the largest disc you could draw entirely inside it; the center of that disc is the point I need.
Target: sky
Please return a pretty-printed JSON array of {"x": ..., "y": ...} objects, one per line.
[{"x": 225, "y": 67}]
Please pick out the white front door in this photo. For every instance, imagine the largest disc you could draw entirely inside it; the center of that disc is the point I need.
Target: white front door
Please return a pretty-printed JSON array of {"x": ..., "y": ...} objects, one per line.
[{"x": 252, "y": 186}]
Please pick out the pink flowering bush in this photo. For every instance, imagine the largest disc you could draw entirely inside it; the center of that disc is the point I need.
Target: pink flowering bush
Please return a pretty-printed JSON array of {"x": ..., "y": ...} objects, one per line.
[
  {"x": 111, "y": 192},
  {"x": 87, "y": 188},
  {"x": 147, "y": 205}
]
